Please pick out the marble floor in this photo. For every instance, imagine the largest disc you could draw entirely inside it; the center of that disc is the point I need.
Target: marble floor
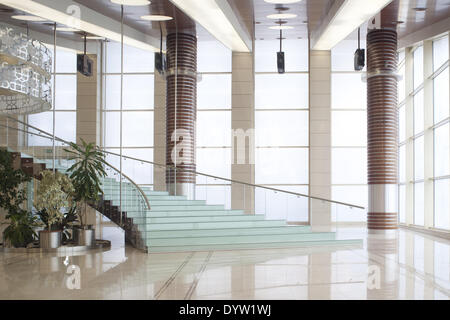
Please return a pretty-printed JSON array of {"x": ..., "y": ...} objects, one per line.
[{"x": 408, "y": 265}]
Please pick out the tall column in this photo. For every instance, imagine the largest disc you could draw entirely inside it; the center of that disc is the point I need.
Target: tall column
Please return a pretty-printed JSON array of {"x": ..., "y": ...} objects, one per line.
[
  {"x": 320, "y": 138},
  {"x": 243, "y": 125},
  {"x": 159, "y": 136},
  {"x": 181, "y": 113},
  {"x": 88, "y": 106},
  {"x": 382, "y": 131}
]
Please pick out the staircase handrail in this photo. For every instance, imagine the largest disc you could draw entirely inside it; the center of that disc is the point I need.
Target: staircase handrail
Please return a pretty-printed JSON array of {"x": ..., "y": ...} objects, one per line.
[{"x": 205, "y": 174}]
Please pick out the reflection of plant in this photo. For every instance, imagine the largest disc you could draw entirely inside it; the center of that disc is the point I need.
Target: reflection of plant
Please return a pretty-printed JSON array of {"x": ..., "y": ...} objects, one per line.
[
  {"x": 11, "y": 194},
  {"x": 20, "y": 231},
  {"x": 53, "y": 195},
  {"x": 86, "y": 174}
]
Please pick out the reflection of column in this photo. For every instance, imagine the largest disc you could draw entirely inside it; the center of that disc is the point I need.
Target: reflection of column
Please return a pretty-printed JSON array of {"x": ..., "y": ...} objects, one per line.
[
  {"x": 320, "y": 136},
  {"x": 159, "y": 140},
  {"x": 382, "y": 131},
  {"x": 385, "y": 247},
  {"x": 181, "y": 112},
  {"x": 243, "y": 281},
  {"x": 243, "y": 124},
  {"x": 320, "y": 276}
]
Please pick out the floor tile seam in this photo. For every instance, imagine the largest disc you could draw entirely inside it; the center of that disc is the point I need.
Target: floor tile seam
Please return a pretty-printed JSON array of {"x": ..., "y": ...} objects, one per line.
[{"x": 198, "y": 275}]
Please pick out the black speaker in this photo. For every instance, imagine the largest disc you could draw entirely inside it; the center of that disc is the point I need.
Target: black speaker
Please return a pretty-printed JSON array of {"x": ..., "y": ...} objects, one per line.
[
  {"x": 280, "y": 62},
  {"x": 360, "y": 58},
  {"x": 160, "y": 62},
  {"x": 84, "y": 65}
]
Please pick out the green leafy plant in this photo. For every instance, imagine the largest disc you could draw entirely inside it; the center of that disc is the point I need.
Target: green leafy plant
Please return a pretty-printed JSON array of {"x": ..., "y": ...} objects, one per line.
[
  {"x": 20, "y": 231},
  {"x": 68, "y": 220},
  {"x": 54, "y": 195},
  {"x": 85, "y": 174}
]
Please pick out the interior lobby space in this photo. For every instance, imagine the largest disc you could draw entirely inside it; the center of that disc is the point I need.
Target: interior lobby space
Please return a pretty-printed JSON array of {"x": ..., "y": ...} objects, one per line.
[{"x": 224, "y": 150}]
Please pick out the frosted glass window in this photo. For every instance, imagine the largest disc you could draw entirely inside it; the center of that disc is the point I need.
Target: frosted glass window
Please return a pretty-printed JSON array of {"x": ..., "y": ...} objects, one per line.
[
  {"x": 418, "y": 66},
  {"x": 402, "y": 203},
  {"x": 402, "y": 163},
  {"x": 418, "y": 112},
  {"x": 66, "y": 60},
  {"x": 282, "y": 128},
  {"x": 402, "y": 124},
  {"x": 281, "y": 91},
  {"x": 134, "y": 59},
  {"x": 214, "y": 195},
  {"x": 214, "y": 91},
  {"x": 440, "y": 52},
  {"x": 279, "y": 205},
  {"x": 357, "y": 195},
  {"x": 213, "y": 56},
  {"x": 66, "y": 92},
  {"x": 341, "y": 99},
  {"x": 141, "y": 173},
  {"x": 401, "y": 85},
  {"x": 213, "y": 161},
  {"x": 65, "y": 127},
  {"x": 419, "y": 210},
  {"x": 419, "y": 158},
  {"x": 442, "y": 204},
  {"x": 349, "y": 165},
  {"x": 342, "y": 55},
  {"x": 349, "y": 128},
  {"x": 213, "y": 129},
  {"x": 441, "y": 151},
  {"x": 281, "y": 166},
  {"x": 441, "y": 96},
  {"x": 138, "y": 92},
  {"x": 137, "y": 129},
  {"x": 112, "y": 129},
  {"x": 295, "y": 51}
]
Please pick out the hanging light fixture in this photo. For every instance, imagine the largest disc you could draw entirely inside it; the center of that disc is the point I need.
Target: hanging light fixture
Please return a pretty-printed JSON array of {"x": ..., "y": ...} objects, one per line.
[{"x": 25, "y": 74}]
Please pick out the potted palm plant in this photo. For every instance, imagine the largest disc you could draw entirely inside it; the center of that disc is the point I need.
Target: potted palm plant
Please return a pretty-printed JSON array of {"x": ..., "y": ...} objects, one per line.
[
  {"x": 85, "y": 174},
  {"x": 21, "y": 223},
  {"x": 54, "y": 197}
]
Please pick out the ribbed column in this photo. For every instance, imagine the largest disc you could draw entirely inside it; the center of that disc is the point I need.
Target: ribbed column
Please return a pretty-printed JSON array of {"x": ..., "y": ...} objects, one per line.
[
  {"x": 382, "y": 133},
  {"x": 181, "y": 113}
]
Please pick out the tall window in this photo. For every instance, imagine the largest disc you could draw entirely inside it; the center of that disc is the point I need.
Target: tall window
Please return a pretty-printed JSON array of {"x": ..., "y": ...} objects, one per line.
[
  {"x": 65, "y": 104},
  {"x": 137, "y": 112},
  {"x": 214, "y": 122},
  {"x": 282, "y": 127},
  {"x": 441, "y": 134},
  {"x": 435, "y": 104},
  {"x": 349, "y": 133}
]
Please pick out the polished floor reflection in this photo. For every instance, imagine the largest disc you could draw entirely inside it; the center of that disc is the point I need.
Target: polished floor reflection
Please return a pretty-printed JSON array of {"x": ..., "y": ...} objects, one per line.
[{"x": 408, "y": 265}]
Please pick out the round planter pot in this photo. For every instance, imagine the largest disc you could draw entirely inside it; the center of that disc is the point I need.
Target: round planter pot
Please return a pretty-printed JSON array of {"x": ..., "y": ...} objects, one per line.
[
  {"x": 84, "y": 237},
  {"x": 49, "y": 240}
]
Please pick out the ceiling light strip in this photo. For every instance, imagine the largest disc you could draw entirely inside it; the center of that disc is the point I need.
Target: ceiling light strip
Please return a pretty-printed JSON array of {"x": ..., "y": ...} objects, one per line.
[
  {"x": 218, "y": 18},
  {"x": 343, "y": 18}
]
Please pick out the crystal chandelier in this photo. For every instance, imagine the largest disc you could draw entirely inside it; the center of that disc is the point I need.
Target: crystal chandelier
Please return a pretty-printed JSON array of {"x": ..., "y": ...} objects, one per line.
[{"x": 25, "y": 74}]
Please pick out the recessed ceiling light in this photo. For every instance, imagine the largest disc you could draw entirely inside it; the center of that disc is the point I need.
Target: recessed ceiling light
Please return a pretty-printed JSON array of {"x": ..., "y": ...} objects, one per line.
[
  {"x": 282, "y": 1},
  {"x": 131, "y": 2},
  {"x": 398, "y": 22},
  {"x": 281, "y": 27},
  {"x": 28, "y": 18},
  {"x": 282, "y": 16},
  {"x": 156, "y": 18},
  {"x": 419, "y": 9},
  {"x": 66, "y": 29}
]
